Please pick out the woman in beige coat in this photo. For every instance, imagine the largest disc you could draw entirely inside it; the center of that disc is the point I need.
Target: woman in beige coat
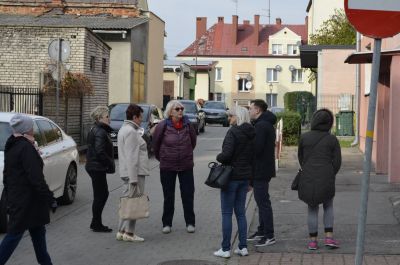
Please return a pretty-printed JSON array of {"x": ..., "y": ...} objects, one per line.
[{"x": 133, "y": 165}]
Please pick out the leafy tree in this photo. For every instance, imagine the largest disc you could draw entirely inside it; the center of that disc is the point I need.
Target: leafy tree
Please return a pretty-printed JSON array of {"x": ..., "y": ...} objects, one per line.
[
  {"x": 165, "y": 55},
  {"x": 337, "y": 30}
]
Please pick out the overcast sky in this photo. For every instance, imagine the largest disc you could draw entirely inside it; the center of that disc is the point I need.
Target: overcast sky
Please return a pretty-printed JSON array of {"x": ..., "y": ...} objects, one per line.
[{"x": 180, "y": 16}]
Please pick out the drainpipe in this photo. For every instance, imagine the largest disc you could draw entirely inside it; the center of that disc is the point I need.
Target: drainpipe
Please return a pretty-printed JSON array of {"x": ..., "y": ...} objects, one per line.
[
  {"x": 357, "y": 96},
  {"x": 181, "y": 81}
]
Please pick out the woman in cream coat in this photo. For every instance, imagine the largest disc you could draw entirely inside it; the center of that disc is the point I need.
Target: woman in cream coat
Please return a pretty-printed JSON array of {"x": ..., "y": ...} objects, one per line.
[{"x": 133, "y": 165}]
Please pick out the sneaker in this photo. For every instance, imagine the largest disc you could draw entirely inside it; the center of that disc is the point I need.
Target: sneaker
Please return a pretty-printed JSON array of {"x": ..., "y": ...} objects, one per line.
[
  {"x": 222, "y": 254},
  {"x": 166, "y": 229},
  {"x": 190, "y": 229},
  {"x": 265, "y": 242},
  {"x": 313, "y": 245},
  {"x": 255, "y": 237},
  {"x": 101, "y": 229},
  {"x": 134, "y": 238},
  {"x": 331, "y": 243},
  {"x": 119, "y": 236},
  {"x": 241, "y": 252}
]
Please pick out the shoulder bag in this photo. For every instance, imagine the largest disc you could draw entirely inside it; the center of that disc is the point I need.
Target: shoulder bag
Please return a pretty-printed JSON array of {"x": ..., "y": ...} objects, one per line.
[
  {"x": 134, "y": 207},
  {"x": 219, "y": 175}
]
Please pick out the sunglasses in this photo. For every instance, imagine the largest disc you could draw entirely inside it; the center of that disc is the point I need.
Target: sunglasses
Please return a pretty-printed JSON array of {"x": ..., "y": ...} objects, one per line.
[{"x": 179, "y": 109}]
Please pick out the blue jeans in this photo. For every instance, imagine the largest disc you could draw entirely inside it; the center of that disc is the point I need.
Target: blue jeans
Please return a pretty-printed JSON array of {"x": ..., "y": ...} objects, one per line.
[
  {"x": 234, "y": 198},
  {"x": 11, "y": 241}
]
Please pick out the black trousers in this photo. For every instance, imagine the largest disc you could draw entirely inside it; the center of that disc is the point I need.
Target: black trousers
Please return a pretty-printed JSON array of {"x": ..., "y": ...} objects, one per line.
[
  {"x": 100, "y": 195},
  {"x": 266, "y": 218},
  {"x": 186, "y": 184}
]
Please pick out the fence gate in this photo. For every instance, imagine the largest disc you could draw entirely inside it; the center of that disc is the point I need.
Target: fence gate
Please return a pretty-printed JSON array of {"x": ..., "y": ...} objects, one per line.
[{"x": 21, "y": 99}]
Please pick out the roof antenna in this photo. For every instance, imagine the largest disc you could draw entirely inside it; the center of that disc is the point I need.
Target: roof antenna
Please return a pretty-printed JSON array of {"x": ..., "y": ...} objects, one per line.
[
  {"x": 236, "y": 2},
  {"x": 268, "y": 12}
]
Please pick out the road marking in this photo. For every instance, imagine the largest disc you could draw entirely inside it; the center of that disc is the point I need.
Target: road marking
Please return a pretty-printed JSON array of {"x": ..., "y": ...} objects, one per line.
[{"x": 381, "y": 5}]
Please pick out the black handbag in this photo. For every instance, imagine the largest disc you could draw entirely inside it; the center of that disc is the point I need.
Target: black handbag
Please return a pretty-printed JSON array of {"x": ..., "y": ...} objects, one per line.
[
  {"x": 295, "y": 182},
  {"x": 219, "y": 175}
]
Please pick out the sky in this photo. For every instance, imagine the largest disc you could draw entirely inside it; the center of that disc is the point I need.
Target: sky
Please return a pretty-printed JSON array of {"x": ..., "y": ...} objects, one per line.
[{"x": 180, "y": 16}]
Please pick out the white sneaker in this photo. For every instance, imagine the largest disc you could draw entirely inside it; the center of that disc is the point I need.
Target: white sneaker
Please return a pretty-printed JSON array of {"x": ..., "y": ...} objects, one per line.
[
  {"x": 166, "y": 229},
  {"x": 241, "y": 252},
  {"x": 190, "y": 229},
  {"x": 222, "y": 254},
  {"x": 134, "y": 238},
  {"x": 119, "y": 236}
]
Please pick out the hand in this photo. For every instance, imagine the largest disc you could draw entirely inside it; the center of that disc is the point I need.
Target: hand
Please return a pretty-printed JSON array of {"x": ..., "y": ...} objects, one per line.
[{"x": 54, "y": 206}]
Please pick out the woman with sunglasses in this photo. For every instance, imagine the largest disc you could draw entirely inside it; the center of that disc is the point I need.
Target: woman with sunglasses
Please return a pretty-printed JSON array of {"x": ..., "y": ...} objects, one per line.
[{"x": 173, "y": 141}]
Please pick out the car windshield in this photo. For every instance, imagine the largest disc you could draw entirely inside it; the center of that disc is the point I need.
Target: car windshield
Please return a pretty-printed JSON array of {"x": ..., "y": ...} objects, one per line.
[
  {"x": 190, "y": 107},
  {"x": 5, "y": 132},
  {"x": 117, "y": 112},
  {"x": 214, "y": 105}
]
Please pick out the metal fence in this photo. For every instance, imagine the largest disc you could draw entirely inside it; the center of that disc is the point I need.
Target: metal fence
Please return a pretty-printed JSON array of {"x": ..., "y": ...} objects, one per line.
[
  {"x": 21, "y": 99},
  {"x": 336, "y": 103}
]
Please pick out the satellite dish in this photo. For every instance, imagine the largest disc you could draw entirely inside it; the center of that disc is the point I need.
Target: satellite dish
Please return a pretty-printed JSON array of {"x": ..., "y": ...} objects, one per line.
[
  {"x": 249, "y": 85},
  {"x": 53, "y": 50},
  {"x": 278, "y": 68},
  {"x": 249, "y": 77},
  {"x": 237, "y": 77},
  {"x": 292, "y": 68}
]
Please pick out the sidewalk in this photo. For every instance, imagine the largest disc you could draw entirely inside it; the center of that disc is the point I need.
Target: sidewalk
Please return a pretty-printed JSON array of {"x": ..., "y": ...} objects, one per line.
[{"x": 382, "y": 242}]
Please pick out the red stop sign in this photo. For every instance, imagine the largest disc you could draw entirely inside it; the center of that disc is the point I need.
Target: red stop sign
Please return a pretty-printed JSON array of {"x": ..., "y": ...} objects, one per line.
[{"x": 374, "y": 18}]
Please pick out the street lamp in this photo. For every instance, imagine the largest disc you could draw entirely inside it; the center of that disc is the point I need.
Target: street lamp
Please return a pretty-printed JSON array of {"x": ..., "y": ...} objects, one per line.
[{"x": 271, "y": 86}]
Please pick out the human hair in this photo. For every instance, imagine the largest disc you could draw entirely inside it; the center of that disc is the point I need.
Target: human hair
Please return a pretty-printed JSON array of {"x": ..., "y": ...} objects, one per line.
[
  {"x": 98, "y": 112},
  {"x": 133, "y": 110},
  {"x": 241, "y": 113},
  {"x": 168, "y": 109},
  {"x": 261, "y": 104}
]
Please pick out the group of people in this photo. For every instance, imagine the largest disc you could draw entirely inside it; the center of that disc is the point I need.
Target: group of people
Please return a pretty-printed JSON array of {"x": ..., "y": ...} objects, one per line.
[{"x": 249, "y": 147}]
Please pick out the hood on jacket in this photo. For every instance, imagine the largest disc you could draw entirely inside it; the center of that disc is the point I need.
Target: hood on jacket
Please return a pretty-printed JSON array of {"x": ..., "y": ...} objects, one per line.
[
  {"x": 322, "y": 120},
  {"x": 104, "y": 126},
  {"x": 246, "y": 128},
  {"x": 267, "y": 116}
]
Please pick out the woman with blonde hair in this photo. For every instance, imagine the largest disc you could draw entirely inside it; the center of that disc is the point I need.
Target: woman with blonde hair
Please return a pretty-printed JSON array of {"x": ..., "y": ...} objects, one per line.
[
  {"x": 237, "y": 151},
  {"x": 99, "y": 162},
  {"x": 173, "y": 142}
]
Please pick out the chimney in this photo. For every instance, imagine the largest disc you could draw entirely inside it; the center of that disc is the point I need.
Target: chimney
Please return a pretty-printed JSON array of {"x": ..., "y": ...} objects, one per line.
[
  {"x": 221, "y": 20},
  {"x": 201, "y": 26},
  {"x": 218, "y": 32},
  {"x": 278, "y": 21},
  {"x": 256, "y": 33},
  {"x": 246, "y": 22},
  {"x": 235, "y": 20}
]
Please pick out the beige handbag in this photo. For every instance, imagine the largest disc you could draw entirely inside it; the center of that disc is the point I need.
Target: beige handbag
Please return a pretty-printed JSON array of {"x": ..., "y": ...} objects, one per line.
[{"x": 135, "y": 207}]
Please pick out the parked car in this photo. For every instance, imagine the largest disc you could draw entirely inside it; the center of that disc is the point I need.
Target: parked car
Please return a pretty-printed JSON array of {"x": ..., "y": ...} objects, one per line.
[
  {"x": 59, "y": 154},
  {"x": 195, "y": 115},
  {"x": 276, "y": 110},
  {"x": 152, "y": 115},
  {"x": 216, "y": 112}
]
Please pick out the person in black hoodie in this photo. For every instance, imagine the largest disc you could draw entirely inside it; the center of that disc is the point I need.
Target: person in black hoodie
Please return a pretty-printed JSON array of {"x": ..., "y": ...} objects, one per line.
[
  {"x": 28, "y": 198},
  {"x": 320, "y": 159},
  {"x": 237, "y": 151},
  {"x": 264, "y": 170},
  {"x": 99, "y": 162}
]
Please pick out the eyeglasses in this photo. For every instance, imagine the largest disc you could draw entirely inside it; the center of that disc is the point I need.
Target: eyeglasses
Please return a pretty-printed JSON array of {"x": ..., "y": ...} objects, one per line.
[{"x": 179, "y": 109}]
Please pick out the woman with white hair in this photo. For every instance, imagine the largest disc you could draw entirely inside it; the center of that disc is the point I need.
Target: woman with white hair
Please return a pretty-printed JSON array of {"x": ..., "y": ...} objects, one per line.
[
  {"x": 99, "y": 162},
  {"x": 237, "y": 151},
  {"x": 173, "y": 141}
]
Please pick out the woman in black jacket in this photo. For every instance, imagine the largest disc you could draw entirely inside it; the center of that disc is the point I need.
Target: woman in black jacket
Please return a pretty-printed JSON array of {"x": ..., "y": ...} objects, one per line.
[
  {"x": 99, "y": 162},
  {"x": 320, "y": 159},
  {"x": 28, "y": 198},
  {"x": 237, "y": 151}
]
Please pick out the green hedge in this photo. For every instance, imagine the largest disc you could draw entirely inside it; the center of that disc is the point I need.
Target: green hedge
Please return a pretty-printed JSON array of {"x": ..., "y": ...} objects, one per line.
[
  {"x": 302, "y": 102},
  {"x": 291, "y": 127}
]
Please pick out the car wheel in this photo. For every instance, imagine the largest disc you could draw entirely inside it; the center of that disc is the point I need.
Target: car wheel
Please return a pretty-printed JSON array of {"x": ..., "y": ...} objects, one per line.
[
  {"x": 70, "y": 186},
  {"x": 3, "y": 217}
]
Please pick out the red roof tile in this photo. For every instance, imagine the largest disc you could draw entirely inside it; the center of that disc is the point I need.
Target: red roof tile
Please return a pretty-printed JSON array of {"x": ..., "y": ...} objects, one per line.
[{"x": 218, "y": 41}]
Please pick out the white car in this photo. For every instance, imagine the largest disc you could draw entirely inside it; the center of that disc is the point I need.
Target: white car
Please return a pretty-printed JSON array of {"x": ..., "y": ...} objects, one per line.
[{"x": 59, "y": 154}]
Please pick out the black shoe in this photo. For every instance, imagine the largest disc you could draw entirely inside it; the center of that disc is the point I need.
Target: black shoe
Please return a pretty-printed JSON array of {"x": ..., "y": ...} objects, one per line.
[
  {"x": 255, "y": 237},
  {"x": 265, "y": 242},
  {"x": 101, "y": 229}
]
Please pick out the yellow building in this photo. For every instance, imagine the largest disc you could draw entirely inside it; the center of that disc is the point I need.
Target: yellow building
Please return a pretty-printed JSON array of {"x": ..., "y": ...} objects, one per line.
[{"x": 253, "y": 60}]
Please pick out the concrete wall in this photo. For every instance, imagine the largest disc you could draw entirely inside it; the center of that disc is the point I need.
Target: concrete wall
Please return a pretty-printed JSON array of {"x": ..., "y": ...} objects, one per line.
[
  {"x": 171, "y": 76},
  {"x": 320, "y": 11},
  {"x": 202, "y": 86}
]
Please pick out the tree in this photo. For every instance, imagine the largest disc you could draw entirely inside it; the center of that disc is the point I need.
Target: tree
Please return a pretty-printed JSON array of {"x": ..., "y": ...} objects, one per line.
[
  {"x": 165, "y": 55},
  {"x": 337, "y": 30}
]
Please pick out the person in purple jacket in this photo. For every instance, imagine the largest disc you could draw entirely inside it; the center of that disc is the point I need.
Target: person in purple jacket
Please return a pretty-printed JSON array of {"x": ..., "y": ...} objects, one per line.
[{"x": 173, "y": 142}]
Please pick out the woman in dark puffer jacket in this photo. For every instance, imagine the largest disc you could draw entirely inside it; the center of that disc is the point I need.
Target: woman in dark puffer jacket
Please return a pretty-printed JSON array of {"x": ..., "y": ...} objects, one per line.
[{"x": 237, "y": 151}]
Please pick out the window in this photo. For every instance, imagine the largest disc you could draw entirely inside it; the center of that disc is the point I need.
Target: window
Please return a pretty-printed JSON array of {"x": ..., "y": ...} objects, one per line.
[
  {"x": 276, "y": 49},
  {"x": 272, "y": 75},
  {"x": 50, "y": 133},
  {"x": 104, "y": 66},
  {"x": 138, "y": 82},
  {"x": 92, "y": 63},
  {"x": 242, "y": 85},
  {"x": 297, "y": 76},
  {"x": 219, "y": 97},
  {"x": 272, "y": 100},
  {"x": 38, "y": 135},
  {"x": 218, "y": 74},
  {"x": 292, "y": 49}
]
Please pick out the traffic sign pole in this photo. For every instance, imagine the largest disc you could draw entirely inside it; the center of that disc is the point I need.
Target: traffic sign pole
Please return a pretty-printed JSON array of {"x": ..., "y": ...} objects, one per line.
[
  {"x": 58, "y": 80},
  {"x": 362, "y": 217}
]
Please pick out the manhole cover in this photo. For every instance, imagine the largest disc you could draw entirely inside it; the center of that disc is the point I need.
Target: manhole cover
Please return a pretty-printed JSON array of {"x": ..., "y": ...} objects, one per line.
[{"x": 188, "y": 262}]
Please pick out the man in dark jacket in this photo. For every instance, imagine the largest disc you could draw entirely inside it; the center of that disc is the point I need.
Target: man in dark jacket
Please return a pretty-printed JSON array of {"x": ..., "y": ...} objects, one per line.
[
  {"x": 264, "y": 170},
  {"x": 27, "y": 195}
]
